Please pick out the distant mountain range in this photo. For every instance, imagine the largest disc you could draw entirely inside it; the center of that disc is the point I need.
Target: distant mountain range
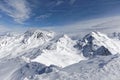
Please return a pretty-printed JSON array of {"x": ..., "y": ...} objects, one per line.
[{"x": 46, "y": 55}]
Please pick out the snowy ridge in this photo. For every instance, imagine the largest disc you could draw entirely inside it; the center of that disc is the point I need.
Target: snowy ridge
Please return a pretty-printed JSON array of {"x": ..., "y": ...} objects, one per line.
[{"x": 61, "y": 53}]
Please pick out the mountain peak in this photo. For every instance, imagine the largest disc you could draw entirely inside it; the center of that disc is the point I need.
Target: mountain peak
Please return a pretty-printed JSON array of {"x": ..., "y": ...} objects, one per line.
[
  {"x": 95, "y": 36},
  {"x": 94, "y": 40},
  {"x": 37, "y": 36},
  {"x": 64, "y": 39},
  {"x": 38, "y": 33},
  {"x": 64, "y": 36}
]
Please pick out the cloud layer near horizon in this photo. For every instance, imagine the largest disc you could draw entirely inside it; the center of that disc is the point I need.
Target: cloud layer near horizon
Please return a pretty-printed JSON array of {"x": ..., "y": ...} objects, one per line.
[{"x": 106, "y": 25}]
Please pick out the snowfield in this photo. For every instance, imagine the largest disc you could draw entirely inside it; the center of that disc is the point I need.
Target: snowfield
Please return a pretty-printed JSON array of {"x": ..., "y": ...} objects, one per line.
[
  {"x": 46, "y": 55},
  {"x": 99, "y": 68}
]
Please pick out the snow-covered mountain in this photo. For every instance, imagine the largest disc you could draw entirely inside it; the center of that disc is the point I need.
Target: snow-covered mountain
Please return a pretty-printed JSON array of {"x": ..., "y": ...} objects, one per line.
[
  {"x": 97, "y": 43},
  {"x": 16, "y": 45},
  {"x": 46, "y": 55}
]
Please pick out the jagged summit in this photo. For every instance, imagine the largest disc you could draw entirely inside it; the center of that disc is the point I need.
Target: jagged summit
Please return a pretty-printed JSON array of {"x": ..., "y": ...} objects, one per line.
[
  {"x": 39, "y": 34},
  {"x": 64, "y": 40},
  {"x": 95, "y": 35},
  {"x": 94, "y": 40}
]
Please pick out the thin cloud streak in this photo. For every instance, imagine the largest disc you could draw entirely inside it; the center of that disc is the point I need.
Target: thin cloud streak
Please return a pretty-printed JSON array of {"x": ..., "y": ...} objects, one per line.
[
  {"x": 44, "y": 16},
  {"x": 72, "y": 2},
  {"x": 105, "y": 25},
  {"x": 59, "y": 2},
  {"x": 17, "y": 9}
]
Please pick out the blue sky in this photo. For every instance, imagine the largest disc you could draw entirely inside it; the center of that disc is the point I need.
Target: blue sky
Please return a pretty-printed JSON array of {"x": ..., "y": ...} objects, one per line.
[{"x": 43, "y": 13}]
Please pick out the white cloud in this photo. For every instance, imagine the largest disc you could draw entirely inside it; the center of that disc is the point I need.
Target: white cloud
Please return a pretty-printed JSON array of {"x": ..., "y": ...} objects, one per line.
[
  {"x": 72, "y": 1},
  {"x": 0, "y": 16},
  {"x": 44, "y": 16},
  {"x": 4, "y": 28},
  {"x": 17, "y": 9}
]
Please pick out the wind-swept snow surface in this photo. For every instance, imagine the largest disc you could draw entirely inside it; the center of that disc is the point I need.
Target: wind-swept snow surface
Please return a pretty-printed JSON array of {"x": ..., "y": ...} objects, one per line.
[
  {"x": 99, "y": 68},
  {"x": 46, "y": 55}
]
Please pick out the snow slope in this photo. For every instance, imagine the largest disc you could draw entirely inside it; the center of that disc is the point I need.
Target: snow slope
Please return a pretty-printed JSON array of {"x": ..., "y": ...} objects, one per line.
[{"x": 99, "y": 68}]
